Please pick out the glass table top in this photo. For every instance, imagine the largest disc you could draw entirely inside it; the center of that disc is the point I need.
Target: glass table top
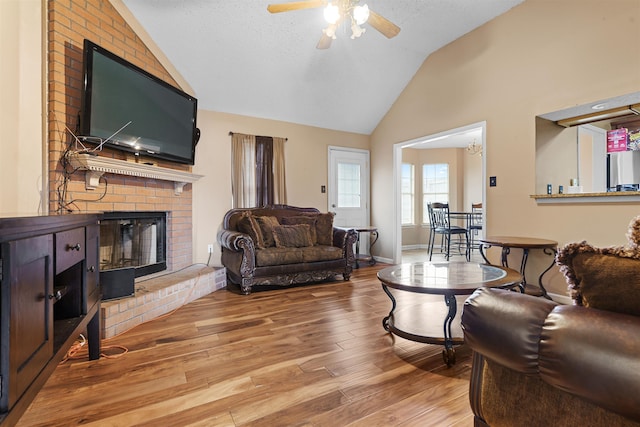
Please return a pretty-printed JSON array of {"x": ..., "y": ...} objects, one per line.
[{"x": 447, "y": 277}]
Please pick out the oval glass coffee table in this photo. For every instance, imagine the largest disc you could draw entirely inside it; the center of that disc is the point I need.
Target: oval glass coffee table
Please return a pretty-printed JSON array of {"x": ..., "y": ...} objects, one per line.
[{"x": 427, "y": 320}]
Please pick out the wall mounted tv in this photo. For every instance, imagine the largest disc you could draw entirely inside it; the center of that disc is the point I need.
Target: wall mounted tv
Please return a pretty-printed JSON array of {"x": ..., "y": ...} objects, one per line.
[{"x": 147, "y": 115}]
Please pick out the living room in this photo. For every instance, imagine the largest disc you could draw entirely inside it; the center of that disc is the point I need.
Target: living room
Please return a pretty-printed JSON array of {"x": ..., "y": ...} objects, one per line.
[
  {"x": 513, "y": 79},
  {"x": 539, "y": 57}
]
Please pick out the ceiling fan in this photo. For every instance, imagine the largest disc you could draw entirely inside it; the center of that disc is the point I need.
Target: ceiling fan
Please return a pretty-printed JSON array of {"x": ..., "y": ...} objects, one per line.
[{"x": 336, "y": 12}]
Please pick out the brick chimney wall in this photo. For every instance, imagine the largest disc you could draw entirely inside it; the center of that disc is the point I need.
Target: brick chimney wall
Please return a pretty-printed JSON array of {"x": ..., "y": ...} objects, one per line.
[{"x": 69, "y": 23}]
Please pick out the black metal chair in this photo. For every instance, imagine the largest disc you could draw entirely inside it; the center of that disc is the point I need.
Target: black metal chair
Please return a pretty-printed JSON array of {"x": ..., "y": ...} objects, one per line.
[
  {"x": 440, "y": 222},
  {"x": 475, "y": 225}
]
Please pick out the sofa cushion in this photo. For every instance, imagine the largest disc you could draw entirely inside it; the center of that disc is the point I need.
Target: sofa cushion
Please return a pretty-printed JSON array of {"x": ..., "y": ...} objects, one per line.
[
  {"x": 247, "y": 224},
  {"x": 267, "y": 223},
  {"x": 278, "y": 256},
  {"x": 306, "y": 219},
  {"x": 321, "y": 253},
  {"x": 292, "y": 236}
]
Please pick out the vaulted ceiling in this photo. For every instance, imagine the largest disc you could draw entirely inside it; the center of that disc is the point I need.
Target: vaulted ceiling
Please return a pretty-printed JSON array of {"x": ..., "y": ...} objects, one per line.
[{"x": 241, "y": 59}]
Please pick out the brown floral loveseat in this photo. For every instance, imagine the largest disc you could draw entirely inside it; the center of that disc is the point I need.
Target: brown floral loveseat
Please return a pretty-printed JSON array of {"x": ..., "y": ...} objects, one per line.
[{"x": 283, "y": 245}]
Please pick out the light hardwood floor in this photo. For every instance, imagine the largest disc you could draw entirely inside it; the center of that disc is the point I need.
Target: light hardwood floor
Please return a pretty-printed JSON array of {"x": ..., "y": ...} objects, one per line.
[{"x": 314, "y": 355}]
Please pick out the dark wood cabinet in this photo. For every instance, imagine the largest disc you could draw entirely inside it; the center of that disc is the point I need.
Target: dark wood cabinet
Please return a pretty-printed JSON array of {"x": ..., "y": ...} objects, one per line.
[{"x": 49, "y": 295}]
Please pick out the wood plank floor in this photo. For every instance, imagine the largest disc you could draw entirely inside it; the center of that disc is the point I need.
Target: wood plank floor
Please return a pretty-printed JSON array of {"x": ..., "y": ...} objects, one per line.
[{"x": 307, "y": 356}]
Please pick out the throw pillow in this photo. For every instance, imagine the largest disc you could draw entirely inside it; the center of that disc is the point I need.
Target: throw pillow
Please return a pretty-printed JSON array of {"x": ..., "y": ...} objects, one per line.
[
  {"x": 604, "y": 278},
  {"x": 324, "y": 228},
  {"x": 309, "y": 220},
  {"x": 292, "y": 236},
  {"x": 266, "y": 225},
  {"x": 247, "y": 224}
]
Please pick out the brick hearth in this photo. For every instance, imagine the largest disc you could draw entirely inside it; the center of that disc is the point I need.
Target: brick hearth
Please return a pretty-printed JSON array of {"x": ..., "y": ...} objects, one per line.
[{"x": 157, "y": 296}]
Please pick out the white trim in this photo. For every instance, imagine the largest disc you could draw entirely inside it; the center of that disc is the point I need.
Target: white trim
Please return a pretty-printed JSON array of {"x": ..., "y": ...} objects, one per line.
[{"x": 96, "y": 166}]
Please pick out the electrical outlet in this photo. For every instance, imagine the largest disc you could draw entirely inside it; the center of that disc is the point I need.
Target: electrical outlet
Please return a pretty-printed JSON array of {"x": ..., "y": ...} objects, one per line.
[{"x": 210, "y": 248}]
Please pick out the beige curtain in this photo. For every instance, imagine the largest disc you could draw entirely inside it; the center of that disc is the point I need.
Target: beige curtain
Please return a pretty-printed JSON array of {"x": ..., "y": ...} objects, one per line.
[
  {"x": 279, "y": 180},
  {"x": 243, "y": 169}
]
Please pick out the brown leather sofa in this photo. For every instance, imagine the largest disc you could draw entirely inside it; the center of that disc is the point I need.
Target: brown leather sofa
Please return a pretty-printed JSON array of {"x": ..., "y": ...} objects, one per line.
[
  {"x": 283, "y": 245},
  {"x": 538, "y": 363}
]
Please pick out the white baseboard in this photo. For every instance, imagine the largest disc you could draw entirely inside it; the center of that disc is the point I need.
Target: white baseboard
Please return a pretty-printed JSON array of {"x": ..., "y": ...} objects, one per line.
[
  {"x": 383, "y": 260},
  {"x": 414, "y": 247}
]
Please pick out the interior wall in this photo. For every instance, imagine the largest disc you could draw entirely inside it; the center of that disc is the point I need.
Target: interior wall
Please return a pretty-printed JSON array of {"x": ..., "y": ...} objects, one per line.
[
  {"x": 21, "y": 106},
  {"x": 472, "y": 180},
  {"x": 306, "y": 168},
  {"x": 556, "y": 155},
  {"x": 539, "y": 57},
  {"x": 413, "y": 236}
]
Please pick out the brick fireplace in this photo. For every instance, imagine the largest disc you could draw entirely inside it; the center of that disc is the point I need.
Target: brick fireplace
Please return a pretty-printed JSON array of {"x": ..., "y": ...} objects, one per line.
[
  {"x": 119, "y": 181},
  {"x": 69, "y": 24}
]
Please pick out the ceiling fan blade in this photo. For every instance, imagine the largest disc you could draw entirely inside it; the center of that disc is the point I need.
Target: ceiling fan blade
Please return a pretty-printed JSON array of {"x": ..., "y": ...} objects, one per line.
[
  {"x": 324, "y": 42},
  {"x": 386, "y": 27},
  {"x": 295, "y": 5}
]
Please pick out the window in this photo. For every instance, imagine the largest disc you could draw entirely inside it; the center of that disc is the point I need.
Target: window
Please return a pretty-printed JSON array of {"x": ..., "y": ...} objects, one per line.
[
  {"x": 349, "y": 185},
  {"x": 257, "y": 171},
  {"x": 435, "y": 186},
  {"x": 408, "y": 196}
]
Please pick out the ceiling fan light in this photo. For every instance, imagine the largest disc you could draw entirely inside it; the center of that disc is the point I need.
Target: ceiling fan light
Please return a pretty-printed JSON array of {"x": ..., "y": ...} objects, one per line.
[
  {"x": 330, "y": 31},
  {"x": 356, "y": 30},
  {"x": 361, "y": 14},
  {"x": 331, "y": 13}
]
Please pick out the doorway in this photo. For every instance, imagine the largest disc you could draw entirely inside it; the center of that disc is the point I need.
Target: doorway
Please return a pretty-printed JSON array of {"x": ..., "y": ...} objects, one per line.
[{"x": 462, "y": 138}]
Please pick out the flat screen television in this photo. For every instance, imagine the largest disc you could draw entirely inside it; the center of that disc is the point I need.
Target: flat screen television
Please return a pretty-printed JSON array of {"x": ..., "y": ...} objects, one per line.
[{"x": 126, "y": 108}]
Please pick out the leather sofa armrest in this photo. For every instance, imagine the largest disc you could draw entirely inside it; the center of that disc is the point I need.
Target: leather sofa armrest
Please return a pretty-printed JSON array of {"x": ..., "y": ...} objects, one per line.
[
  {"x": 594, "y": 354},
  {"x": 505, "y": 326}
]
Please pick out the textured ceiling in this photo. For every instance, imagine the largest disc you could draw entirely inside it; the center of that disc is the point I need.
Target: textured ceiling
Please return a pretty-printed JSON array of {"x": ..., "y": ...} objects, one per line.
[{"x": 241, "y": 59}]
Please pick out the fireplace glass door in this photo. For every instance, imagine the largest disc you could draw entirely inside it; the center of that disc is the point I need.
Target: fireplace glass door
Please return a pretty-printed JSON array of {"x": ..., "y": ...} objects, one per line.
[{"x": 133, "y": 239}]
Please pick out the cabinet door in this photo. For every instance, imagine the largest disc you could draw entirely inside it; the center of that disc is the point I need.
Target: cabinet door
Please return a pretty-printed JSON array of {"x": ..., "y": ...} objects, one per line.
[
  {"x": 30, "y": 274},
  {"x": 92, "y": 290}
]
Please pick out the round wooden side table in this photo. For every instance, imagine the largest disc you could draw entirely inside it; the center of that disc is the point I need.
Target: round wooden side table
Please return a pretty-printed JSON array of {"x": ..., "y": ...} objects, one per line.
[{"x": 549, "y": 247}]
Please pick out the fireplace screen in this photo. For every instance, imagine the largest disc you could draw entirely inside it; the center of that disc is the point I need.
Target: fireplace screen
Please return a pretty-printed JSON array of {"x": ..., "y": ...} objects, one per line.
[{"x": 133, "y": 239}]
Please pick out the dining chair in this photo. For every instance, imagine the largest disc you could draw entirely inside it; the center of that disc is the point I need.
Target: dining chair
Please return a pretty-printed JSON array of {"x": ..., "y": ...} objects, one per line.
[
  {"x": 475, "y": 225},
  {"x": 440, "y": 222}
]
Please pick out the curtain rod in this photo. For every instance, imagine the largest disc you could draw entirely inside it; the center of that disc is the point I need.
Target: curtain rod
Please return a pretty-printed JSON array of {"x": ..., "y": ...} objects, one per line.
[{"x": 231, "y": 134}]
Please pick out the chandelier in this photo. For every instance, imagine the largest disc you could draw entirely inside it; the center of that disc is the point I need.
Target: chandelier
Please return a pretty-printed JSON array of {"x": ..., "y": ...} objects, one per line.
[
  {"x": 337, "y": 11},
  {"x": 474, "y": 148}
]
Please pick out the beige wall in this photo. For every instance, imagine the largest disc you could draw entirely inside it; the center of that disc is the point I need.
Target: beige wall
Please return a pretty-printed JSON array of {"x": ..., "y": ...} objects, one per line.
[
  {"x": 21, "y": 105},
  {"x": 472, "y": 180},
  {"x": 556, "y": 155},
  {"x": 539, "y": 57},
  {"x": 306, "y": 159}
]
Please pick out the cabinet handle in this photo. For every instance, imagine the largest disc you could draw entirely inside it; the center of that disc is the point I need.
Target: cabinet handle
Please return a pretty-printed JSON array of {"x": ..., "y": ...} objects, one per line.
[
  {"x": 91, "y": 269},
  {"x": 75, "y": 247}
]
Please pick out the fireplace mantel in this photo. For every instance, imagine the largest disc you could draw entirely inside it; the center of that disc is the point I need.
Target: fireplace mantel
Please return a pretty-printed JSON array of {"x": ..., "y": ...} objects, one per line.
[{"x": 96, "y": 166}]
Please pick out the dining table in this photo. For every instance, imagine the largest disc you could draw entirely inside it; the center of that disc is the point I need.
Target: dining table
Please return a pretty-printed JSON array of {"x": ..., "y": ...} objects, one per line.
[{"x": 467, "y": 219}]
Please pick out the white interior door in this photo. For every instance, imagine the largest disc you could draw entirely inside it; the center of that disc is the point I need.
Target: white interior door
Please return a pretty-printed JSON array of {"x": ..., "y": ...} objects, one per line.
[{"x": 348, "y": 192}]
